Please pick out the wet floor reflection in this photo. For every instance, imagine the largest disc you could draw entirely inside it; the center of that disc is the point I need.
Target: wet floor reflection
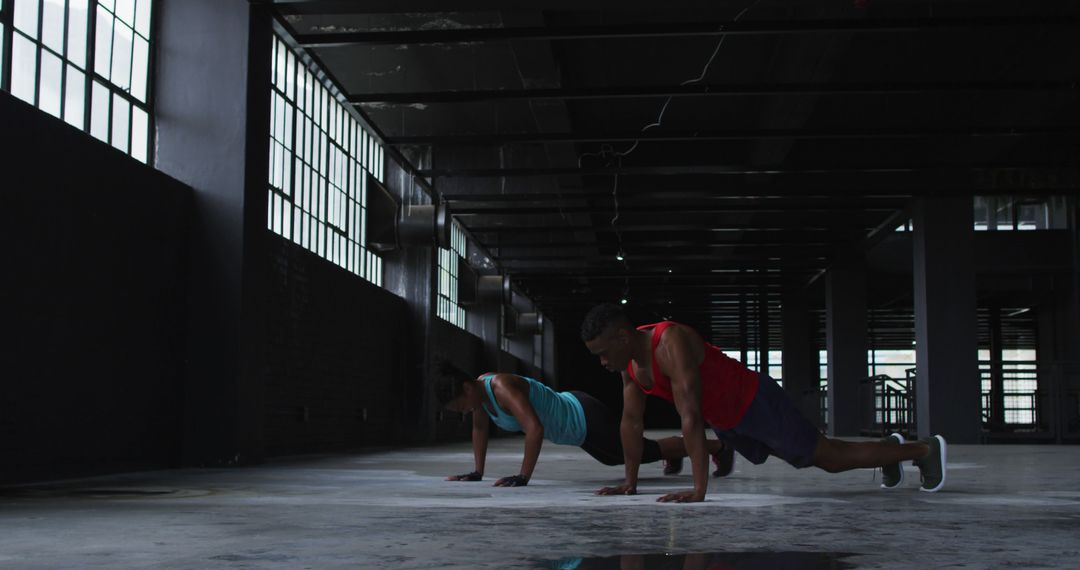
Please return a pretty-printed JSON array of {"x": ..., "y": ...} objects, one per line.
[{"x": 707, "y": 561}]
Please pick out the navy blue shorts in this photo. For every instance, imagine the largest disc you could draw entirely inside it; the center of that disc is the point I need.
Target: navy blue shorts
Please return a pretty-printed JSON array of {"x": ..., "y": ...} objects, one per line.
[{"x": 773, "y": 426}]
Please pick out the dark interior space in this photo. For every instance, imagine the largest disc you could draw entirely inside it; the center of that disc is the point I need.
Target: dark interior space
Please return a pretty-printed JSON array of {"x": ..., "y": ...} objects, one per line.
[{"x": 247, "y": 233}]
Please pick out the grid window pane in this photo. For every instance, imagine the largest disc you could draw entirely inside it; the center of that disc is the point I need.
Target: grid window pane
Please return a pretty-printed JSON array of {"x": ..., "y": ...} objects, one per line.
[
  {"x": 142, "y": 18},
  {"x": 140, "y": 68},
  {"x": 26, "y": 17},
  {"x": 448, "y": 307},
  {"x": 313, "y": 167},
  {"x": 52, "y": 25},
  {"x": 23, "y": 68},
  {"x": 75, "y": 96},
  {"x": 121, "y": 123},
  {"x": 52, "y": 70},
  {"x": 2, "y": 36},
  {"x": 76, "y": 47},
  {"x": 125, "y": 10},
  {"x": 99, "y": 112},
  {"x": 103, "y": 43},
  {"x": 121, "y": 56},
  {"x": 49, "y": 64},
  {"x": 140, "y": 131}
]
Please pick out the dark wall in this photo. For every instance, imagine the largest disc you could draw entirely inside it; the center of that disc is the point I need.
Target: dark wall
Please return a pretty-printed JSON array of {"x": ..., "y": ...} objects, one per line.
[
  {"x": 212, "y": 134},
  {"x": 334, "y": 350},
  {"x": 95, "y": 303}
]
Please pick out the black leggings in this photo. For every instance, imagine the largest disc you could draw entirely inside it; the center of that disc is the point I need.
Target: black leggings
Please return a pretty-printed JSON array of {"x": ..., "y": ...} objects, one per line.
[{"x": 602, "y": 439}]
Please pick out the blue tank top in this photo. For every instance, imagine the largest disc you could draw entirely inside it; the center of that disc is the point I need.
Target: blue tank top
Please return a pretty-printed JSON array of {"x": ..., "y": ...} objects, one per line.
[{"x": 560, "y": 413}]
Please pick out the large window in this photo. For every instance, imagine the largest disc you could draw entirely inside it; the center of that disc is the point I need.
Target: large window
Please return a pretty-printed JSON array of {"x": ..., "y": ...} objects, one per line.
[
  {"x": 86, "y": 62},
  {"x": 448, "y": 308},
  {"x": 892, "y": 363},
  {"x": 776, "y": 363},
  {"x": 1020, "y": 383},
  {"x": 823, "y": 385},
  {"x": 1011, "y": 213},
  {"x": 320, "y": 158},
  {"x": 892, "y": 398}
]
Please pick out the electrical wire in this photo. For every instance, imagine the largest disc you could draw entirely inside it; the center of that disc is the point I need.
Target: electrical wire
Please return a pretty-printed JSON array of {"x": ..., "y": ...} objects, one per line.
[{"x": 610, "y": 155}]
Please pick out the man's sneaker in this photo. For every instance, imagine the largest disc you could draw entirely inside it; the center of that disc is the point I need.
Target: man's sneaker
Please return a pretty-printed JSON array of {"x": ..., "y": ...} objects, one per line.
[
  {"x": 933, "y": 465},
  {"x": 892, "y": 475},
  {"x": 724, "y": 460},
  {"x": 673, "y": 466}
]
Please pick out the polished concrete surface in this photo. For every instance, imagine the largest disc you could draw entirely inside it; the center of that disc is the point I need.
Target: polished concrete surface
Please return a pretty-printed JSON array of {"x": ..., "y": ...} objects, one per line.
[{"x": 1002, "y": 506}]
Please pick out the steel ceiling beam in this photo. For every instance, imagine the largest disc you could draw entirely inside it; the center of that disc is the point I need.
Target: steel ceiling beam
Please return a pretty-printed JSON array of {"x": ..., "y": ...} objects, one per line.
[
  {"x": 480, "y": 203},
  {"x": 749, "y": 226},
  {"x": 766, "y": 239},
  {"x": 669, "y": 30},
  {"x": 696, "y": 274},
  {"x": 519, "y": 268},
  {"x": 725, "y": 170},
  {"x": 658, "y": 253},
  {"x": 468, "y": 212},
  {"x": 714, "y": 90},
  {"x": 657, "y": 135},
  {"x": 731, "y": 192}
]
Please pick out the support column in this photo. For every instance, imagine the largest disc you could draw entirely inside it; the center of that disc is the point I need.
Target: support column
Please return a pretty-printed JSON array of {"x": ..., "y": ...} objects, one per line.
[
  {"x": 743, "y": 332},
  {"x": 763, "y": 330},
  {"x": 800, "y": 358},
  {"x": 1074, "y": 238},
  {"x": 212, "y": 97},
  {"x": 997, "y": 372},
  {"x": 947, "y": 384},
  {"x": 845, "y": 329}
]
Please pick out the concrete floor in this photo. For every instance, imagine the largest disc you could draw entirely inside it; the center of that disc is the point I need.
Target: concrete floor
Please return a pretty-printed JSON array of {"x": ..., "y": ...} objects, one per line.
[{"x": 1003, "y": 506}]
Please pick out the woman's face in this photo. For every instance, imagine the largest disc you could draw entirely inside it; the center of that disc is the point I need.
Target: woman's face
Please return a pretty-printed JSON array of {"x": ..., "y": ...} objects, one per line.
[{"x": 467, "y": 402}]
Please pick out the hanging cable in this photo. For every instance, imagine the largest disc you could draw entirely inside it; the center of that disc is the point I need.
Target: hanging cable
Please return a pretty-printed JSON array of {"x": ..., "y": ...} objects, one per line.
[{"x": 610, "y": 156}]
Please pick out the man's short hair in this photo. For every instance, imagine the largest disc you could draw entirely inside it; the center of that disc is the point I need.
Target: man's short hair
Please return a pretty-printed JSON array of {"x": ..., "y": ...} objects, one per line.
[{"x": 600, "y": 318}]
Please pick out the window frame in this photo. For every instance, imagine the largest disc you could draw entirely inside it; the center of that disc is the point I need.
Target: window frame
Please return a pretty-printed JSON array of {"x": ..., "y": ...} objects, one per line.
[
  {"x": 447, "y": 306},
  {"x": 328, "y": 154},
  {"x": 89, "y": 68}
]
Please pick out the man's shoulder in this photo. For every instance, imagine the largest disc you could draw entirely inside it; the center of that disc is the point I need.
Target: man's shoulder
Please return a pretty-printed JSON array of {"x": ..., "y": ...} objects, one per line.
[{"x": 676, "y": 332}]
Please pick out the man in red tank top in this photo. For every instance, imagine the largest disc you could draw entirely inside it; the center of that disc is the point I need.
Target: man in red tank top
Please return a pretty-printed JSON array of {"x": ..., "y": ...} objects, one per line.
[{"x": 746, "y": 410}]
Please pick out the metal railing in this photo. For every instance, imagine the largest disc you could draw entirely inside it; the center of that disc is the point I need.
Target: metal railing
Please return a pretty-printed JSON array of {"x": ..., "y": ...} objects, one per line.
[{"x": 894, "y": 404}]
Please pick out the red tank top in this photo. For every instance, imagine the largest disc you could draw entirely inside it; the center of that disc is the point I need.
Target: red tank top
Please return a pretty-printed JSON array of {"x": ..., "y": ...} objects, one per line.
[{"x": 727, "y": 386}]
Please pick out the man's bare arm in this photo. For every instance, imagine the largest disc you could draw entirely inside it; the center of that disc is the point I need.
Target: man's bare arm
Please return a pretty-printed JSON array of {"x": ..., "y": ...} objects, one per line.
[{"x": 679, "y": 355}]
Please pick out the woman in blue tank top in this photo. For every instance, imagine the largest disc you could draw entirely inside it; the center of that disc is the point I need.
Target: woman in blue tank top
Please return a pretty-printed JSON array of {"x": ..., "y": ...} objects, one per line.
[{"x": 520, "y": 404}]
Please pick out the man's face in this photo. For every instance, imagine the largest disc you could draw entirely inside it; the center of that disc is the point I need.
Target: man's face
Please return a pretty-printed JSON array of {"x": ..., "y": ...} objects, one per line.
[{"x": 612, "y": 347}]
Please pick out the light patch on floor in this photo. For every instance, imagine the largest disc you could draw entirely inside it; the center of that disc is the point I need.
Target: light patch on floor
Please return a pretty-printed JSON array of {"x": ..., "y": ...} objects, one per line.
[{"x": 1003, "y": 506}]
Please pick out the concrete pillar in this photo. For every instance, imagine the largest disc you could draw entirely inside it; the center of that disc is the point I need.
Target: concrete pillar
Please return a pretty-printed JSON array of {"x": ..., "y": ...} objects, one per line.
[
  {"x": 845, "y": 329},
  {"x": 947, "y": 385},
  {"x": 1074, "y": 233},
  {"x": 743, "y": 330},
  {"x": 997, "y": 371},
  {"x": 212, "y": 101},
  {"x": 763, "y": 331},
  {"x": 800, "y": 356}
]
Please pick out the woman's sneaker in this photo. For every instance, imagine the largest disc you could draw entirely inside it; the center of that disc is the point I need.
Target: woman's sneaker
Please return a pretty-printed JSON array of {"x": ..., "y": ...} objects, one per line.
[
  {"x": 673, "y": 466},
  {"x": 892, "y": 475},
  {"x": 932, "y": 466}
]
